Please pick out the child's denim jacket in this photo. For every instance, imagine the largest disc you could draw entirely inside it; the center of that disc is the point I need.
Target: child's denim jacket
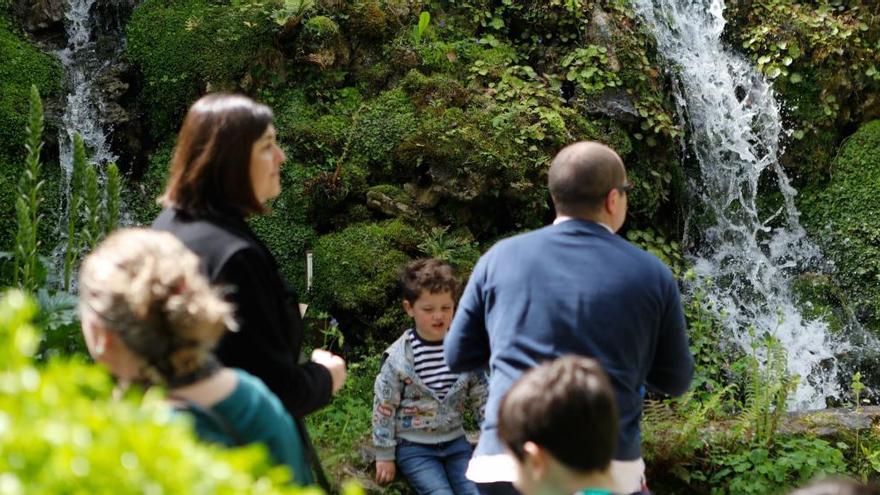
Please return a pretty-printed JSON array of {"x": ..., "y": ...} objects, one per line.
[{"x": 404, "y": 407}]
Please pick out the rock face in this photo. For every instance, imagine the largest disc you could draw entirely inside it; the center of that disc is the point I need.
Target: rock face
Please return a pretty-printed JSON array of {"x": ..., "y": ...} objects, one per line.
[
  {"x": 831, "y": 422},
  {"x": 46, "y": 16}
]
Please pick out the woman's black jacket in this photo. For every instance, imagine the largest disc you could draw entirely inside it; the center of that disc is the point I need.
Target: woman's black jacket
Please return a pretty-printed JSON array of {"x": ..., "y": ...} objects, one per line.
[{"x": 270, "y": 329}]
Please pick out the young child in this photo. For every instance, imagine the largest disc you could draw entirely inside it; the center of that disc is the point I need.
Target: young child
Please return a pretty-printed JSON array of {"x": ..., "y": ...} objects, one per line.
[
  {"x": 559, "y": 421},
  {"x": 418, "y": 404}
]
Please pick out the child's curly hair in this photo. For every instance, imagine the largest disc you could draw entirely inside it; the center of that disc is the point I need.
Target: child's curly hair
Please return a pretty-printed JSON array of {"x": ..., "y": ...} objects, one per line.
[
  {"x": 145, "y": 286},
  {"x": 428, "y": 274}
]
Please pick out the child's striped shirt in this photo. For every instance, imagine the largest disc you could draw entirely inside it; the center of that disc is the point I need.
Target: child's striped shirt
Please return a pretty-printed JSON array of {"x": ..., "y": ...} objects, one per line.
[{"x": 430, "y": 364}]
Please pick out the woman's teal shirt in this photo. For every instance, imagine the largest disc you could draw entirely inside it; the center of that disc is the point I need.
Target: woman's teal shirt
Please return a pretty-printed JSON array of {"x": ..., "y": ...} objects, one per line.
[{"x": 256, "y": 415}]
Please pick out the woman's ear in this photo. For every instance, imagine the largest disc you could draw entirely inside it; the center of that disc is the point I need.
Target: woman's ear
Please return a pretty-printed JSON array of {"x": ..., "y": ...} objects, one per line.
[{"x": 95, "y": 336}]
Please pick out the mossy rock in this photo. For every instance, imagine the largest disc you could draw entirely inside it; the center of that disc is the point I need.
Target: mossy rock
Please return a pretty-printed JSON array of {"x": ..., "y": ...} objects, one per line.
[
  {"x": 820, "y": 298},
  {"x": 845, "y": 214},
  {"x": 356, "y": 276},
  {"x": 184, "y": 47}
]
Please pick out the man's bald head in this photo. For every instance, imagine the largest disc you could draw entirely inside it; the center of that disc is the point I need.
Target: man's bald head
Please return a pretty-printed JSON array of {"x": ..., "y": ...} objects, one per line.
[{"x": 580, "y": 177}]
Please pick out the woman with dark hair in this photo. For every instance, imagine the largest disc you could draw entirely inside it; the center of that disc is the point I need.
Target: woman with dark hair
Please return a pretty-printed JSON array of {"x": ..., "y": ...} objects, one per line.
[{"x": 226, "y": 166}]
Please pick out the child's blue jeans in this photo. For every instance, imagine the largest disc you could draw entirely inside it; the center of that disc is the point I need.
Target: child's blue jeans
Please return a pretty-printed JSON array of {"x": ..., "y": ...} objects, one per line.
[{"x": 436, "y": 469}]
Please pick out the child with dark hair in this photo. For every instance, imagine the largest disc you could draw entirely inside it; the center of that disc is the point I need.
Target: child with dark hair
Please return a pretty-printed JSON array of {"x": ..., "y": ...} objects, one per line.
[
  {"x": 559, "y": 420},
  {"x": 418, "y": 405}
]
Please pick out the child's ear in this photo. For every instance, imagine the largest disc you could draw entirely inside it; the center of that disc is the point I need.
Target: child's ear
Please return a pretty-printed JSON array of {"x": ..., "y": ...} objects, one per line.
[
  {"x": 537, "y": 459},
  {"x": 408, "y": 307}
]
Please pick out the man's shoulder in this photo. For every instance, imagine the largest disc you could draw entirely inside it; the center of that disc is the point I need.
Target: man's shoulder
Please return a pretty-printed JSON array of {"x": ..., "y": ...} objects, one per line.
[
  {"x": 645, "y": 259},
  {"x": 523, "y": 240}
]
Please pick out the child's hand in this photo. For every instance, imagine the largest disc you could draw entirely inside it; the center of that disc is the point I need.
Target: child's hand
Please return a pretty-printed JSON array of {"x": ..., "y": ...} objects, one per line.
[{"x": 385, "y": 472}]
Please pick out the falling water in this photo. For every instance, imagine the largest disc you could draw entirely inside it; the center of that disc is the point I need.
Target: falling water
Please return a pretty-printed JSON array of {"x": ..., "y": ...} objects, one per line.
[
  {"x": 734, "y": 126},
  {"x": 84, "y": 106}
]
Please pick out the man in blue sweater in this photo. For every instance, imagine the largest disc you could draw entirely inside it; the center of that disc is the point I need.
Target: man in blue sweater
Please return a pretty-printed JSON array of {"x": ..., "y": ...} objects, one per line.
[{"x": 574, "y": 287}]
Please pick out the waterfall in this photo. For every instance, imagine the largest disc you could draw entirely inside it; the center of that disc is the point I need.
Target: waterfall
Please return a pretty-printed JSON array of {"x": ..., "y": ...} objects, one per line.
[
  {"x": 84, "y": 106},
  {"x": 94, "y": 44},
  {"x": 747, "y": 262}
]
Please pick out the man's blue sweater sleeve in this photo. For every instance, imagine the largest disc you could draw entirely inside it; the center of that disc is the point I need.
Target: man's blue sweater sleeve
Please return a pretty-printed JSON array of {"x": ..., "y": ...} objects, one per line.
[
  {"x": 673, "y": 367},
  {"x": 466, "y": 347}
]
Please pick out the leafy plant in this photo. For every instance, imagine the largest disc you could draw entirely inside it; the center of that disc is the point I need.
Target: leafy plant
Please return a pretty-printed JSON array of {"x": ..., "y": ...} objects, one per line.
[
  {"x": 27, "y": 206},
  {"x": 114, "y": 188},
  {"x": 342, "y": 429},
  {"x": 75, "y": 202},
  {"x": 588, "y": 68},
  {"x": 772, "y": 469},
  {"x": 91, "y": 214},
  {"x": 454, "y": 248},
  {"x": 61, "y": 428},
  {"x": 419, "y": 29}
]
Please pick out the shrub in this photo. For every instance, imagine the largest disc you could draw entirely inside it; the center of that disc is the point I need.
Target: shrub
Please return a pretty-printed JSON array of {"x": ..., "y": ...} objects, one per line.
[{"x": 61, "y": 431}]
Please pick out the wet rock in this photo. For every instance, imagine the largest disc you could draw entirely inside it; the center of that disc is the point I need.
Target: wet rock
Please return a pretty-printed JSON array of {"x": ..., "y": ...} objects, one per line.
[
  {"x": 831, "y": 422},
  {"x": 111, "y": 16},
  {"x": 601, "y": 32},
  {"x": 390, "y": 201},
  {"x": 41, "y": 15},
  {"x": 425, "y": 197},
  {"x": 613, "y": 103}
]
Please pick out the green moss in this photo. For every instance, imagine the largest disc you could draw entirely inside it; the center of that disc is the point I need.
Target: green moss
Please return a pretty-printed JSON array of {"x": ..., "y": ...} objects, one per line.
[
  {"x": 820, "y": 298},
  {"x": 184, "y": 46},
  {"x": 143, "y": 196},
  {"x": 379, "y": 126},
  {"x": 392, "y": 191},
  {"x": 21, "y": 65},
  {"x": 355, "y": 275},
  {"x": 320, "y": 27},
  {"x": 846, "y": 215},
  {"x": 435, "y": 91}
]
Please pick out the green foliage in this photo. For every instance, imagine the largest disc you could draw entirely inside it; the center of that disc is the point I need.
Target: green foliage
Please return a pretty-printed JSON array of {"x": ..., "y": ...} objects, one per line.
[
  {"x": 27, "y": 204},
  {"x": 114, "y": 188},
  {"x": 823, "y": 57},
  {"x": 75, "y": 203},
  {"x": 59, "y": 319},
  {"x": 141, "y": 199},
  {"x": 342, "y": 430},
  {"x": 60, "y": 428},
  {"x": 419, "y": 29},
  {"x": 791, "y": 462},
  {"x": 767, "y": 389},
  {"x": 588, "y": 68},
  {"x": 718, "y": 443},
  {"x": 22, "y": 65},
  {"x": 456, "y": 248},
  {"x": 844, "y": 213},
  {"x": 669, "y": 252},
  {"x": 92, "y": 212},
  {"x": 365, "y": 251},
  {"x": 182, "y": 46}
]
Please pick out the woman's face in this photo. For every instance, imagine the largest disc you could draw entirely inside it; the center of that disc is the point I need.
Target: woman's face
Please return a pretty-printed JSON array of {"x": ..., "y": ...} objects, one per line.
[{"x": 265, "y": 168}]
